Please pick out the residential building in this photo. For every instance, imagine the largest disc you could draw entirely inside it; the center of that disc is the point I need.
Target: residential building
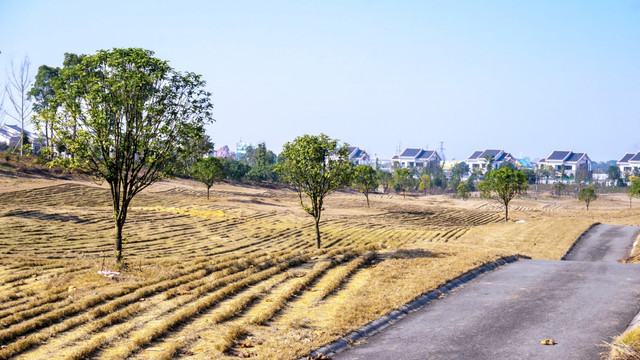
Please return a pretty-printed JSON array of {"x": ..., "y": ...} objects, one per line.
[
  {"x": 358, "y": 156},
  {"x": 416, "y": 157},
  {"x": 10, "y": 135},
  {"x": 568, "y": 162},
  {"x": 630, "y": 163},
  {"x": 480, "y": 159}
]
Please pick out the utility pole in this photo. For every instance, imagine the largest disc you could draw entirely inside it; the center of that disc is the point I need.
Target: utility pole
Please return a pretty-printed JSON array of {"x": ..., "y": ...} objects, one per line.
[{"x": 442, "y": 150}]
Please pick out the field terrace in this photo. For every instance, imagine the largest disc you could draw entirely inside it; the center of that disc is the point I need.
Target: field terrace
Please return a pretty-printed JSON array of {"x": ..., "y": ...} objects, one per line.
[{"x": 238, "y": 275}]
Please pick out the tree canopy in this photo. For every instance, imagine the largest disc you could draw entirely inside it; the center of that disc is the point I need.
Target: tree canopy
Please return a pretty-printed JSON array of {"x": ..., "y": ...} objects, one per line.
[
  {"x": 208, "y": 171},
  {"x": 634, "y": 189},
  {"x": 315, "y": 166},
  {"x": 503, "y": 185},
  {"x": 403, "y": 180},
  {"x": 587, "y": 195},
  {"x": 128, "y": 118},
  {"x": 365, "y": 179}
]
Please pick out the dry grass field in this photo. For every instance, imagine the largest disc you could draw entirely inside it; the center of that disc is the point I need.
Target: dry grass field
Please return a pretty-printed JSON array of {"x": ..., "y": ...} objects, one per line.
[{"x": 238, "y": 276}]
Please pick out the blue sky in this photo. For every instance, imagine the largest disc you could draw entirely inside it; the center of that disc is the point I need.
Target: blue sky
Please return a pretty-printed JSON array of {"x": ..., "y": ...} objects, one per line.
[{"x": 525, "y": 76}]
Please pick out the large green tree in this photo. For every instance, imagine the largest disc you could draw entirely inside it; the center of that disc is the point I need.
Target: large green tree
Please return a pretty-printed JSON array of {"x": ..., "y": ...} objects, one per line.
[
  {"x": 261, "y": 160},
  {"x": 503, "y": 185},
  {"x": 365, "y": 179},
  {"x": 315, "y": 166},
  {"x": 43, "y": 96},
  {"x": 208, "y": 171},
  {"x": 127, "y": 118}
]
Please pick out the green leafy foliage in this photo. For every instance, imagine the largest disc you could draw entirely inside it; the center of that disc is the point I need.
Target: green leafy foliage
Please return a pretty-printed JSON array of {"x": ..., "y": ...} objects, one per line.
[
  {"x": 403, "y": 180},
  {"x": 365, "y": 179},
  {"x": 587, "y": 195},
  {"x": 235, "y": 169},
  {"x": 463, "y": 191},
  {"x": 460, "y": 169},
  {"x": 385, "y": 179},
  {"x": 634, "y": 189},
  {"x": 425, "y": 183},
  {"x": 613, "y": 173},
  {"x": 261, "y": 162},
  {"x": 208, "y": 171},
  {"x": 315, "y": 166},
  {"x": 128, "y": 118},
  {"x": 503, "y": 185}
]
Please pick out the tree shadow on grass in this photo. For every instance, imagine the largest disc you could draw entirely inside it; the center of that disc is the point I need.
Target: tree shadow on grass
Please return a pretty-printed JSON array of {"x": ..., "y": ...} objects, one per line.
[
  {"x": 37, "y": 215},
  {"x": 410, "y": 254}
]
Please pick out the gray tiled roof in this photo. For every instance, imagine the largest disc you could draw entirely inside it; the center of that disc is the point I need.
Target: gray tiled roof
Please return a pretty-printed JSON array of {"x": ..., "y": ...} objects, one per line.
[
  {"x": 558, "y": 155},
  {"x": 395, "y": 157},
  {"x": 574, "y": 157},
  {"x": 426, "y": 154},
  {"x": 636, "y": 157},
  {"x": 627, "y": 157},
  {"x": 410, "y": 152},
  {"x": 489, "y": 152},
  {"x": 475, "y": 155},
  {"x": 503, "y": 156}
]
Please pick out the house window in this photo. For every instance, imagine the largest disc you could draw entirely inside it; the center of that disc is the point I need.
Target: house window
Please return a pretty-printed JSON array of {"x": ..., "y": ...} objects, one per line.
[
  {"x": 559, "y": 167},
  {"x": 475, "y": 166},
  {"x": 568, "y": 167}
]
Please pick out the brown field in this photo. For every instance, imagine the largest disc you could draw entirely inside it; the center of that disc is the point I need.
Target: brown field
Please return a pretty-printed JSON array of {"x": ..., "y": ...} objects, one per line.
[{"x": 238, "y": 276}]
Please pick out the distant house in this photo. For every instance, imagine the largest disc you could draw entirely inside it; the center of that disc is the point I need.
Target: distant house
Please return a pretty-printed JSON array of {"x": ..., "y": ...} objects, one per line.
[
  {"x": 416, "y": 157},
  {"x": 629, "y": 163},
  {"x": 479, "y": 158},
  {"x": 568, "y": 161},
  {"x": 10, "y": 135},
  {"x": 224, "y": 152},
  {"x": 358, "y": 156}
]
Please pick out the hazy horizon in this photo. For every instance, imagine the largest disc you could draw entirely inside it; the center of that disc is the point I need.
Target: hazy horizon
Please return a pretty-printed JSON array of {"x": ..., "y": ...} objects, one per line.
[{"x": 528, "y": 77}]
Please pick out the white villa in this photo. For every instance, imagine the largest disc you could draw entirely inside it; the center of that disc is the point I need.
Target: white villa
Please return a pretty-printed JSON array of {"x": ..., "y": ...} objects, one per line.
[
  {"x": 568, "y": 160},
  {"x": 478, "y": 160},
  {"x": 629, "y": 163},
  {"x": 358, "y": 156},
  {"x": 10, "y": 136},
  {"x": 416, "y": 157}
]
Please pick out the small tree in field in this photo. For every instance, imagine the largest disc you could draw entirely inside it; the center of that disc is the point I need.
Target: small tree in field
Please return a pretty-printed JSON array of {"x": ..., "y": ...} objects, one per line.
[
  {"x": 208, "y": 171},
  {"x": 127, "y": 118},
  {"x": 425, "y": 183},
  {"x": 385, "y": 179},
  {"x": 365, "y": 179},
  {"x": 587, "y": 195},
  {"x": 463, "y": 191},
  {"x": 403, "y": 180},
  {"x": 315, "y": 167},
  {"x": 503, "y": 185},
  {"x": 634, "y": 189}
]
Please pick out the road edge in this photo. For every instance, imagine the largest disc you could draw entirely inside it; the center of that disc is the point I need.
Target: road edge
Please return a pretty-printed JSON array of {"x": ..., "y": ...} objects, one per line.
[
  {"x": 564, "y": 257},
  {"x": 385, "y": 321}
]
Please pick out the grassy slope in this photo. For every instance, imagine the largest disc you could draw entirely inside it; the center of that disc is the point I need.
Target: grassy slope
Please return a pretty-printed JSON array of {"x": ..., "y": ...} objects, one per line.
[{"x": 238, "y": 274}]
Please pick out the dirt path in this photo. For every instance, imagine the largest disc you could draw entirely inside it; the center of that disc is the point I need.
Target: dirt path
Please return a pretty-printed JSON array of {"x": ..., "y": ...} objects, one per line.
[{"x": 506, "y": 313}]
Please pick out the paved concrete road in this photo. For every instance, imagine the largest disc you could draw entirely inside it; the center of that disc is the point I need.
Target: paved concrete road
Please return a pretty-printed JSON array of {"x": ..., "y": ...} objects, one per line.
[
  {"x": 505, "y": 313},
  {"x": 605, "y": 243}
]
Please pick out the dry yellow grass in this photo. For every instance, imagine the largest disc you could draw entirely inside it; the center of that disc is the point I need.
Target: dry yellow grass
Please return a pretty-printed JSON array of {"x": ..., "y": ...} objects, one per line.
[{"x": 238, "y": 275}]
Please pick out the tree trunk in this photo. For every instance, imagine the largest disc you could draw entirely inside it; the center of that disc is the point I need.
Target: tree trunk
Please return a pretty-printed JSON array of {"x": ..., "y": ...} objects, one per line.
[
  {"x": 367, "y": 196},
  {"x": 118, "y": 243},
  {"x": 208, "y": 187},
  {"x": 506, "y": 213},
  {"x": 317, "y": 220}
]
